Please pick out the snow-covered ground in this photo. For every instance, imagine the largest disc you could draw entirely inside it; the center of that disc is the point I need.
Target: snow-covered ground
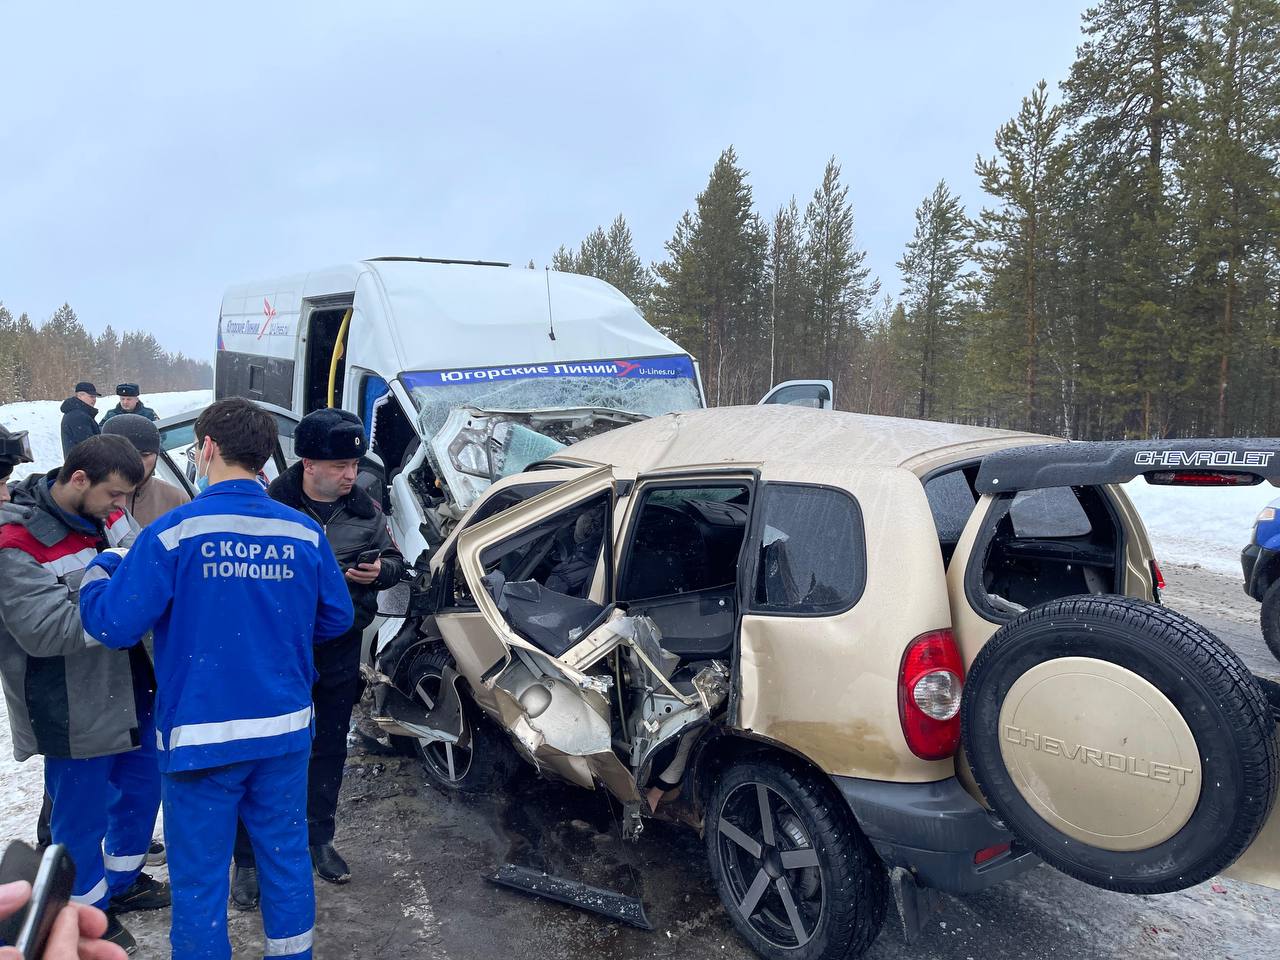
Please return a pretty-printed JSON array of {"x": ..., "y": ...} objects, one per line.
[
  {"x": 42, "y": 420},
  {"x": 1208, "y": 527}
]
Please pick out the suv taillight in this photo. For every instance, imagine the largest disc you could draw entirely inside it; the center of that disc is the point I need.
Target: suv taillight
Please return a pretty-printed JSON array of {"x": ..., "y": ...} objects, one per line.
[{"x": 929, "y": 687}]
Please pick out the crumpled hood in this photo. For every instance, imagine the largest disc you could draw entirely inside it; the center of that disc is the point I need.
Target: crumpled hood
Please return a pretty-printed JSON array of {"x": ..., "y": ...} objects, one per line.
[{"x": 75, "y": 404}]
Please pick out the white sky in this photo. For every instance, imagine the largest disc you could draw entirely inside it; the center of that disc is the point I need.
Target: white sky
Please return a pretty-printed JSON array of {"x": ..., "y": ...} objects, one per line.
[{"x": 151, "y": 155}]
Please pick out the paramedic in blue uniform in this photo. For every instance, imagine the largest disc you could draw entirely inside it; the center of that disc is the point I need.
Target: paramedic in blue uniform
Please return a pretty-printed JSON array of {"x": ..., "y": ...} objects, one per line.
[
  {"x": 322, "y": 485},
  {"x": 237, "y": 589}
]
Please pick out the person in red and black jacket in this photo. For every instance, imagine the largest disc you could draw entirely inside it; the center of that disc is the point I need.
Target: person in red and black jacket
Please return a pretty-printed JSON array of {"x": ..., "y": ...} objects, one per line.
[{"x": 84, "y": 707}]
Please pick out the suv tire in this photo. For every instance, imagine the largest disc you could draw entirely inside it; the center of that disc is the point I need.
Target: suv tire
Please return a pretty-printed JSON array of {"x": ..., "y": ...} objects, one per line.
[
  {"x": 1098, "y": 773},
  {"x": 817, "y": 891},
  {"x": 1271, "y": 618},
  {"x": 487, "y": 764}
]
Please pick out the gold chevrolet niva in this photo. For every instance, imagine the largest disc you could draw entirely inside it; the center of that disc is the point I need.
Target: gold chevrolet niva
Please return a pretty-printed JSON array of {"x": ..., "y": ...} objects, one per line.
[{"x": 865, "y": 656}]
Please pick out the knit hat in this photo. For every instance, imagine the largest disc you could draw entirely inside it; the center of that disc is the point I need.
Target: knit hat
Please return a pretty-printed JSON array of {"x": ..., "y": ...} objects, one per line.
[
  {"x": 138, "y": 430},
  {"x": 330, "y": 435}
]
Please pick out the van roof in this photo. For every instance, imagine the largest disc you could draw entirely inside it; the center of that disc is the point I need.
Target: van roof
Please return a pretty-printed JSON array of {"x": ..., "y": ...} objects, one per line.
[
  {"x": 787, "y": 434},
  {"x": 446, "y": 315}
]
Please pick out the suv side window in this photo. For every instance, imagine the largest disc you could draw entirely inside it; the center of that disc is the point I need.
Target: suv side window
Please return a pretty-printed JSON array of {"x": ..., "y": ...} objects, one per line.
[{"x": 813, "y": 558}]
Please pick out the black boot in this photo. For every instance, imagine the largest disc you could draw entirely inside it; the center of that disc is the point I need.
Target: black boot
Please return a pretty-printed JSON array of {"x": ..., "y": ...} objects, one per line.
[
  {"x": 329, "y": 864},
  {"x": 117, "y": 934},
  {"x": 146, "y": 893},
  {"x": 244, "y": 888}
]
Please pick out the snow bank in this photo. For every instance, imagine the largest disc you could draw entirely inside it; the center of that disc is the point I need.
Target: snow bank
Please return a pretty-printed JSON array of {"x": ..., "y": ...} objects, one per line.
[
  {"x": 43, "y": 420},
  {"x": 1208, "y": 527}
]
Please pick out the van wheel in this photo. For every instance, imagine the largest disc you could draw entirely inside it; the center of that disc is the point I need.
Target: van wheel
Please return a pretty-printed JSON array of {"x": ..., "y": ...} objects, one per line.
[
  {"x": 1121, "y": 741},
  {"x": 1271, "y": 618},
  {"x": 486, "y": 763},
  {"x": 793, "y": 870}
]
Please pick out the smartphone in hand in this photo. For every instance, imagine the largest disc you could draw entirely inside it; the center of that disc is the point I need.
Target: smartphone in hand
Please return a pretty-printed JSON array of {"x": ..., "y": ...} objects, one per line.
[
  {"x": 368, "y": 556},
  {"x": 52, "y": 878}
]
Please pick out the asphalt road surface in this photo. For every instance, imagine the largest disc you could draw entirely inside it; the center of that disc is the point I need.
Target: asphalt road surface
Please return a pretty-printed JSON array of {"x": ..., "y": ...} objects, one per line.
[{"x": 420, "y": 857}]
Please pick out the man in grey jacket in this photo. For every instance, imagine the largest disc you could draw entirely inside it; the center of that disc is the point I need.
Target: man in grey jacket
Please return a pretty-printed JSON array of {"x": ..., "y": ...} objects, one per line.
[{"x": 84, "y": 707}]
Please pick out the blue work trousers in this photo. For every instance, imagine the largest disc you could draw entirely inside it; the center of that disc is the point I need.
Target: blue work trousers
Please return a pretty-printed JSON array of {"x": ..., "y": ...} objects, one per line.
[
  {"x": 200, "y": 811},
  {"x": 104, "y": 813}
]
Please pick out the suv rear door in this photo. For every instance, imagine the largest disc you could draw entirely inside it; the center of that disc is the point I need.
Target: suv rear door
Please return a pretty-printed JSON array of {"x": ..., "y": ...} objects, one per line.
[{"x": 1080, "y": 730}]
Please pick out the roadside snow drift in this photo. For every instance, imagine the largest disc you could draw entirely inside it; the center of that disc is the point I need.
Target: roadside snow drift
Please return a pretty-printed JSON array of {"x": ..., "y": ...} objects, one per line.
[{"x": 43, "y": 420}]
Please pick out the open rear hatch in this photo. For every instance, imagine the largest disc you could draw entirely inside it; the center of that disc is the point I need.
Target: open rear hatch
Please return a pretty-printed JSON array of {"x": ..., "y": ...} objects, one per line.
[{"x": 1121, "y": 741}]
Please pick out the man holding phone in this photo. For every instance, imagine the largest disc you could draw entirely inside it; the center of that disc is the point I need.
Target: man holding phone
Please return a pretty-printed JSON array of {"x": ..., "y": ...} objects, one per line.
[{"x": 322, "y": 485}]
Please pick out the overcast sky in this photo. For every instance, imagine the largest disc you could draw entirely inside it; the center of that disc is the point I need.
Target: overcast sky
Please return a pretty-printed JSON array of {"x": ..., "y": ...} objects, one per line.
[{"x": 151, "y": 155}]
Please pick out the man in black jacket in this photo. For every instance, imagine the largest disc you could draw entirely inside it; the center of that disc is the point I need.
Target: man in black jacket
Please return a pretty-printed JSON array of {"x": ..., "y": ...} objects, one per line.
[
  {"x": 322, "y": 485},
  {"x": 80, "y": 416}
]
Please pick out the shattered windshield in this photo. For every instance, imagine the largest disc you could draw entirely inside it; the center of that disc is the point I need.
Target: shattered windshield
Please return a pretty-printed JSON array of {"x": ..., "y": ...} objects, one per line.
[{"x": 650, "y": 386}]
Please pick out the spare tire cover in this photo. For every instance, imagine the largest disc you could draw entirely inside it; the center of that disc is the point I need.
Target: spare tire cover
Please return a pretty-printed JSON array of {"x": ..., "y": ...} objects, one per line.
[{"x": 1122, "y": 742}]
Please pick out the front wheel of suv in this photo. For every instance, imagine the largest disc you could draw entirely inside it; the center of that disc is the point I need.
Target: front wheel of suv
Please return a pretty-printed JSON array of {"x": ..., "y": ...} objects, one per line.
[
  {"x": 797, "y": 876},
  {"x": 487, "y": 761}
]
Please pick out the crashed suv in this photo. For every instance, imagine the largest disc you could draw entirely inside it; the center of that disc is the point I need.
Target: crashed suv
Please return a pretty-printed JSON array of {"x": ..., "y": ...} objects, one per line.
[{"x": 864, "y": 656}]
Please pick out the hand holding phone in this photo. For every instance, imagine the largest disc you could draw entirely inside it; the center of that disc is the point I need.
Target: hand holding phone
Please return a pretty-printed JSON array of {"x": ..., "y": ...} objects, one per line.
[
  {"x": 368, "y": 556},
  {"x": 52, "y": 878}
]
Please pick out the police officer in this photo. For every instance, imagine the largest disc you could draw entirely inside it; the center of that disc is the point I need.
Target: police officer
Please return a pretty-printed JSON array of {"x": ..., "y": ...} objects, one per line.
[
  {"x": 129, "y": 402},
  {"x": 237, "y": 588},
  {"x": 331, "y": 444}
]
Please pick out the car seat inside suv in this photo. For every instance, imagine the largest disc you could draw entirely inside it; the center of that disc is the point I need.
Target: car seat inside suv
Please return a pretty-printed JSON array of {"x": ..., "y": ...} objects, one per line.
[{"x": 681, "y": 566}]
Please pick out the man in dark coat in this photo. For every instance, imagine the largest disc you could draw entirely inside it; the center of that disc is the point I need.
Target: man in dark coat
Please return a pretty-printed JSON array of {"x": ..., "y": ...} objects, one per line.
[
  {"x": 130, "y": 402},
  {"x": 79, "y": 416},
  {"x": 322, "y": 486}
]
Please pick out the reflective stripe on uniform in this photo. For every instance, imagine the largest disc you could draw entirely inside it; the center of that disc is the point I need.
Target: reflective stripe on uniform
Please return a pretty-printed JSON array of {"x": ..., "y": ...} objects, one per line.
[
  {"x": 159, "y": 741},
  {"x": 71, "y": 562},
  {"x": 93, "y": 896},
  {"x": 288, "y": 946},
  {"x": 95, "y": 573},
  {"x": 237, "y": 524},
  {"x": 124, "y": 864},
  {"x": 203, "y": 734}
]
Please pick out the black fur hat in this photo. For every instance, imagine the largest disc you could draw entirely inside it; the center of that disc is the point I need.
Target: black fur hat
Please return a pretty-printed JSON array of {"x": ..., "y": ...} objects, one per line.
[{"x": 330, "y": 435}]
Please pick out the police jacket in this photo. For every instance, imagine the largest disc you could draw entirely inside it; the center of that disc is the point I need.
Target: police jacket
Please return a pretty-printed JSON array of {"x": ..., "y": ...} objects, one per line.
[
  {"x": 67, "y": 695},
  {"x": 358, "y": 524},
  {"x": 79, "y": 422},
  {"x": 237, "y": 589},
  {"x": 141, "y": 410}
]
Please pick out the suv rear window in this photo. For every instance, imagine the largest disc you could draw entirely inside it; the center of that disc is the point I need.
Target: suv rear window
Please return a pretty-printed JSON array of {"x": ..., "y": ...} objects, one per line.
[
  {"x": 813, "y": 558},
  {"x": 1051, "y": 512}
]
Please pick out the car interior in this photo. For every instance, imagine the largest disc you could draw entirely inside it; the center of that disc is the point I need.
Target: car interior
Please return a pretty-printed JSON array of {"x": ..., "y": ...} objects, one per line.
[
  {"x": 1051, "y": 543},
  {"x": 679, "y": 569}
]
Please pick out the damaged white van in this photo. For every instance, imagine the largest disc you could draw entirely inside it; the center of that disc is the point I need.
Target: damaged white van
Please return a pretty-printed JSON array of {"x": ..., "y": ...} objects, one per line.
[{"x": 462, "y": 371}]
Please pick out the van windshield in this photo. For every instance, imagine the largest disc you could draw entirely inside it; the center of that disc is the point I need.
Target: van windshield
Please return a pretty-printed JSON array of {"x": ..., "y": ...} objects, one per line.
[{"x": 650, "y": 386}]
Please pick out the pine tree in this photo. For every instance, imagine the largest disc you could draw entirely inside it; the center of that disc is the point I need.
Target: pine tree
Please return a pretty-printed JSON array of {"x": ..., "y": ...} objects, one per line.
[
  {"x": 1015, "y": 240},
  {"x": 711, "y": 287},
  {"x": 1228, "y": 173},
  {"x": 837, "y": 277},
  {"x": 789, "y": 295},
  {"x": 610, "y": 256},
  {"x": 931, "y": 273}
]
